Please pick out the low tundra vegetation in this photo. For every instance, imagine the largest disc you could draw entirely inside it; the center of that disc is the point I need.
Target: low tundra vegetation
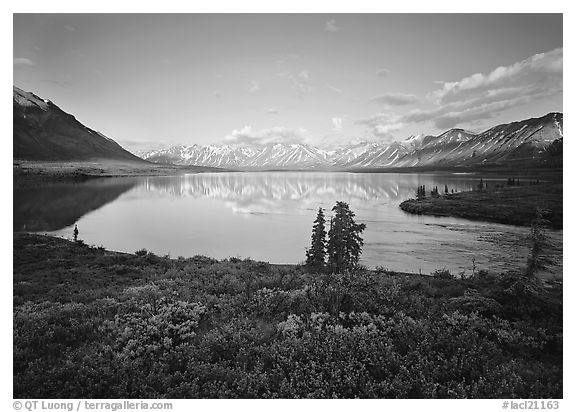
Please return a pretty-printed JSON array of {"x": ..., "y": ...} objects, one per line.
[{"x": 89, "y": 323}]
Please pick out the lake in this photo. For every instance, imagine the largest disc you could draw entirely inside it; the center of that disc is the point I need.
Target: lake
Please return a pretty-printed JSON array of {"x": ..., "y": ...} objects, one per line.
[{"x": 268, "y": 216}]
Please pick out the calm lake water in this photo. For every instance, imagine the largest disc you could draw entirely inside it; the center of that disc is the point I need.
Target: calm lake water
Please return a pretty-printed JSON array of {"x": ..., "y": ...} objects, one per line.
[{"x": 268, "y": 216}]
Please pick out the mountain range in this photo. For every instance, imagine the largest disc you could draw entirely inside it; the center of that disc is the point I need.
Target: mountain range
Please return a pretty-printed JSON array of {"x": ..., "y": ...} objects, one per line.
[
  {"x": 535, "y": 141},
  {"x": 43, "y": 131}
]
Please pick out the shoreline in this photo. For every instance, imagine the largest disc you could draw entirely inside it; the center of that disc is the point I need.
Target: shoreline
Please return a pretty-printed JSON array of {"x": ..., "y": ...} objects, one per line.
[
  {"x": 65, "y": 242},
  {"x": 33, "y": 173},
  {"x": 514, "y": 205}
]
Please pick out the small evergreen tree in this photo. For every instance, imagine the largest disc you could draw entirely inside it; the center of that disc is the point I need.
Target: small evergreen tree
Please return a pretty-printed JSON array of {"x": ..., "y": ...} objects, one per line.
[
  {"x": 316, "y": 255},
  {"x": 445, "y": 189},
  {"x": 344, "y": 241},
  {"x": 75, "y": 233},
  {"x": 481, "y": 184},
  {"x": 420, "y": 192}
]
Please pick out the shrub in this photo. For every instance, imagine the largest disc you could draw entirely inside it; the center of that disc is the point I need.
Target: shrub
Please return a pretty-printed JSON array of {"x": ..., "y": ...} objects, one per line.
[
  {"x": 442, "y": 274},
  {"x": 141, "y": 252}
]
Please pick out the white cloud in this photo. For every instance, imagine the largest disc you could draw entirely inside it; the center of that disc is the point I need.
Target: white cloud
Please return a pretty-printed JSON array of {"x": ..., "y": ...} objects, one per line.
[
  {"x": 217, "y": 94},
  {"x": 254, "y": 86},
  {"x": 385, "y": 129},
  {"x": 488, "y": 110},
  {"x": 382, "y": 125},
  {"x": 337, "y": 124},
  {"x": 376, "y": 119},
  {"x": 299, "y": 82},
  {"x": 484, "y": 96},
  {"x": 330, "y": 26},
  {"x": 539, "y": 69},
  {"x": 304, "y": 75},
  {"x": 383, "y": 73},
  {"x": 334, "y": 89},
  {"x": 273, "y": 110},
  {"x": 396, "y": 99},
  {"x": 23, "y": 61},
  {"x": 485, "y": 106},
  {"x": 278, "y": 134},
  {"x": 70, "y": 28}
]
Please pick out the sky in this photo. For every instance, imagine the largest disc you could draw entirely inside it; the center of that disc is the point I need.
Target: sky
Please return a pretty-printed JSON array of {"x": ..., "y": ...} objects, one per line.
[{"x": 150, "y": 80}]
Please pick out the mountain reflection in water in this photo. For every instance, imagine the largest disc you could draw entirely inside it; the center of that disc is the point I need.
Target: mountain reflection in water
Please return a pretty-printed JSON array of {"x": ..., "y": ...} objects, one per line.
[{"x": 268, "y": 216}]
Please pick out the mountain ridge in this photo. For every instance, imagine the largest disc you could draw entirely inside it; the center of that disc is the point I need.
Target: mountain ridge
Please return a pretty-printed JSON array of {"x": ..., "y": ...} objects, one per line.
[{"x": 535, "y": 141}]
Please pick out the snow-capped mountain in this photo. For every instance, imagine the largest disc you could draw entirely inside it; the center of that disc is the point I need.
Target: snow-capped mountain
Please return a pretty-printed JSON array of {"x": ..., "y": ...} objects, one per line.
[
  {"x": 535, "y": 140},
  {"x": 379, "y": 156},
  {"x": 528, "y": 140},
  {"x": 237, "y": 156}
]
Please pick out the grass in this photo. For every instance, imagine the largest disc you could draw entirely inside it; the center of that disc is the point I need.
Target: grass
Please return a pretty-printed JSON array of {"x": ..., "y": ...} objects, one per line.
[
  {"x": 99, "y": 324},
  {"x": 514, "y": 205}
]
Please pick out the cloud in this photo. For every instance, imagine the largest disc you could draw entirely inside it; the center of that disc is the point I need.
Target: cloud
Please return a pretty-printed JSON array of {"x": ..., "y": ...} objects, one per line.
[
  {"x": 385, "y": 129},
  {"x": 396, "y": 99},
  {"x": 484, "y": 96},
  {"x": 487, "y": 105},
  {"x": 337, "y": 124},
  {"x": 539, "y": 69},
  {"x": 23, "y": 61},
  {"x": 277, "y": 134},
  {"x": 383, "y": 73},
  {"x": 334, "y": 89},
  {"x": 70, "y": 28},
  {"x": 488, "y": 110},
  {"x": 384, "y": 133},
  {"x": 376, "y": 119},
  {"x": 330, "y": 26},
  {"x": 273, "y": 110},
  {"x": 300, "y": 82},
  {"x": 299, "y": 79},
  {"x": 381, "y": 125},
  {"x": 217, "y": 94},
  {"x": 254, "y": 86},
  {"x": 475, "y": 97}
]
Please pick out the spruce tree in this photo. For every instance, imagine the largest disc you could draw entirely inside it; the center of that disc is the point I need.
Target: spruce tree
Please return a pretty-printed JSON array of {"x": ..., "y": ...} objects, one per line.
[
  {"x": 420, "y": 193},
  {"x": 316, "y": 255},
  {"x": 446, "y": 189},
  {"x": 75, "y": 233},
  {"x": 344, "y": 241}
]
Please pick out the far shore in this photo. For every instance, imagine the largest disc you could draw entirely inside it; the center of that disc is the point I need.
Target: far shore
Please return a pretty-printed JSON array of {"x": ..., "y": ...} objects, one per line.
[
  {"x": 512, "y": 205},
  {"x": 29, "y": 173}
]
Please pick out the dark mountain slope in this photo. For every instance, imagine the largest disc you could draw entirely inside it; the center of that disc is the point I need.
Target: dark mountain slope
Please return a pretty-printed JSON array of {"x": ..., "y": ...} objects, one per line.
[{"x": 42, "y": 131}]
